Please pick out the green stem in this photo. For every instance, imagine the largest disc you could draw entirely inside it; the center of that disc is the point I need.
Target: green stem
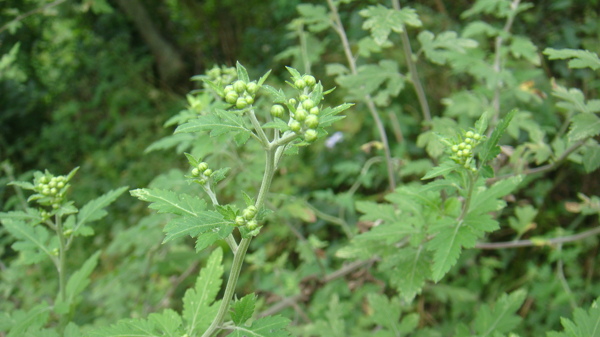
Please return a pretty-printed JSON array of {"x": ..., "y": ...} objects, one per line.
[
  {"x": 339, "y": 28},
  {"x": 61, "y": 267},
  {"x": 236, "y": 267},
  {"x": 230, "y": 240},
  {"x": 238, "y": 259}
]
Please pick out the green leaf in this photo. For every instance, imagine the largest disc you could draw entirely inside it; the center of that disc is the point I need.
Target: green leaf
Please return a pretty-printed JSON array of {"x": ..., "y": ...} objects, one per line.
[
  {"x": 199, "y": 308},
  {"x": 447, "y": 246},
  {"x": 443, "y": 169},
  {"x": 386, "y": 312},
  {"x": 277, "y": 95},
  {"x": 270, "y": 326},
  {"x": 381, "y": 21},
  {"x": 410, "y": 268},
  {"x": 591, "y": 158},
  {"x": 314, "y": 16},
  {"x": 382, "y": 80},
  {"x": 584, "y": 125},
  {"x": 437, "y": 48},
  {"x": 577, "y": 58},
  {"x": 242, "y": 310},
  {"x": 490, "y": 199},
  {"x": 32, "y": 241},
  {"x": 217, "y": 123},
  {"x": 35, "y": 318},
  {"x": 32, "y": 216},
  {"x": 94, "y": 209},
  {"x": 573, "y": 100},
  {"x": 80, "y": 279},
  {"x": 170, "y": 202},
  {"x": 242, "y": 73},
  {"x": 523, "y": 47},
  {"x": 192, "y": 226},
  {"x": 501, "y": 317},
  {"x": 490, "y": 148},
  {"x": 584, "y": 323},
  {"x": 126, "y": 328},
  {"x": 168, "y": 322}
]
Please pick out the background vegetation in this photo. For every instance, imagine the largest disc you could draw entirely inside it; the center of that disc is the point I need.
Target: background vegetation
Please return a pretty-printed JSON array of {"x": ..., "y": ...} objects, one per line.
[{"x": 91, "y": 83}]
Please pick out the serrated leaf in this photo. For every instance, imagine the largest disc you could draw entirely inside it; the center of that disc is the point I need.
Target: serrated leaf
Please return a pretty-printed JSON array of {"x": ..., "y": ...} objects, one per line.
[
  {"x": 36, "y": 317},
  {"x": 386, "y": 312},
  {"x": 216, "y": 123},
  {"x": 126, "y": 328},
  {"x": 584, "y": 125},
  {"x": 94, "y": 209},
  {"x": 585, "y": 323},
  {"x": 263, "y": 78},
  {"x": 314, "y": 16},
  {"x": 33, "y": 241},
  {"x": 591, "y": 158},
  {"x": 32, "y": 216},
  {"x": 198, "y": 303},
  {"x": 577, "y": 58},
  {"x": 501, "y": 317},
  {"x": 242, "y": 310},
  {"x": 490, "y": 199},
  {"x": 192, "y": 226},
  {"x": 411, "y": 268},
  {"x": 447, "y": 246},
  {"x": 437, "y": 48},
  {"x": 443, "y": 169},
  {"x": 80, "y": 279},
  {"x": 277, "y": 94},
  {"x": 490, "y": 148},
  {"x": 295, "y": 73},
  {"x": 167, "y": 322},
  {"x": 270, "y": 326},
  {"x": 381, "y": 21},
  {"x": 523, "y": 47},
  {"x": 165, "y": 201},
  {"x": 382, "y": 80}
]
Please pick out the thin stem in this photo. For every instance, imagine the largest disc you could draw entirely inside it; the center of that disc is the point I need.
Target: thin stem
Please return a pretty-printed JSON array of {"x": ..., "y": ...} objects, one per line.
[
  {"x": 238, "y": 259},
  {"x": 412, "y": 68},
  {"x": 230, "y": 240},
  {"x": 236, "y": 267},
  {"x": 11, "y": 177},
  {"x": 339, "y": 28},
  {"x": 539, "y": 242},
  {"x": 497, "y": 66},
  {"x": 338, "y": 221},
  {"x": 61, "y": 267},
  {"x": 547, "y": 167},
  {"x": 262, "y": 136},
  {"x": 563, "y": 280}
]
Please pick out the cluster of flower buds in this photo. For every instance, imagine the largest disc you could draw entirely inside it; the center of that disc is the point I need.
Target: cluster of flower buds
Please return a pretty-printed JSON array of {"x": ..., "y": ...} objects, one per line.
[
  {"x": 50, "y": 191},
  {"x": 247, "y": 218},
  {"x": 304, "y": 112},
  {"x": 463, "y": 151},
  {"x": 223, "y": 75},
  {"x": 240, "y": 93},
  {"x": 202, "y": 172}
]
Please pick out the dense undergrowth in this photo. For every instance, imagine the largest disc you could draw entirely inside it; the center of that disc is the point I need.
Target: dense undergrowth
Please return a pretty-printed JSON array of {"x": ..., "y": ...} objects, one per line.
[{"x": 403, "y": 170}]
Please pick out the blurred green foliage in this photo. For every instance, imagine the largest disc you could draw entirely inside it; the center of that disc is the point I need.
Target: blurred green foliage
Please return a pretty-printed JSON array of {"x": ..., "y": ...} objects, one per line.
[{"x": 81, "y": 85}]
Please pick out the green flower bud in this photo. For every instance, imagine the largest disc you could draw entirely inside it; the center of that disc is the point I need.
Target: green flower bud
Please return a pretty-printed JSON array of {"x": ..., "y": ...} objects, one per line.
[
  {"x": 315, "y": 110},
  {"x": 292, "y": 101},
  {"x": 469, "y": 134},
  {"x": 240, "y": 221},
  {"x": 249, "y": 99},
  {"x": 277, "y": 111},
  {"x": 295, "y": 126},
  {"x": 195, "y": 172},
  {"x": 241, "y": 103},
  {"x": 300, "y": 115},
  {"x": 454, "y": 148},
  {"x": 60, "y": 184},
  {"x": 53, "y": 191},
  {"x": 303, "y": 97},
  {"x": 308, "y": 104},
  {"x": 462, "y": 145},
  {"x": 231, "y": 97},
  {"x": 249, "y": 212},
  {"x": 310, "y": 135},
  {"x": 252, "y": 225},
  {"x": 252, "y": 87},
  {"x": 312, "y": 121},
  {"x": 228, "y": 89},
  {"x": 309, "y": 80},
  {"x": 477, "y": 136},
  {"x": 300, "y": 84},
  {"x": 202, "y": 166},
  {"x": 239, "y": 86},
  {"x": 208, "y": 172},
  {"x": 52, "y": 183}
]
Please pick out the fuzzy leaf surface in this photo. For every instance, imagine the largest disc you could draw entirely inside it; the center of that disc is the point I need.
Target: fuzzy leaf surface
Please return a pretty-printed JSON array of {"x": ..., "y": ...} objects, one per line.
[
  {"x": 501, "y": 317},
  {"x": 165, "y": 201},
  {"x": 381, "y": 21},
  {"x": 199, "y": 308}
]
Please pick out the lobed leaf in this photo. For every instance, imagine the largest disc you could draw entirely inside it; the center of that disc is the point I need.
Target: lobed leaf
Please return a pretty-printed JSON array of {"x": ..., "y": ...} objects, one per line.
[
  {"x": 270, "y": 326},
  {"x": 501, "y": 317},
  {"x": 577, "y": 58},
  {"x": 381, "y": 21},
  {"x": 165, "y": 201},
  {"x": 242, "y": 309}
]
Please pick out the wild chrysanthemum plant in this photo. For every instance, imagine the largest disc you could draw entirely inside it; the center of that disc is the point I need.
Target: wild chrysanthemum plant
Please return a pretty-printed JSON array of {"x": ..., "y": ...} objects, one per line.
[{"x": 292, "y": 121}]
